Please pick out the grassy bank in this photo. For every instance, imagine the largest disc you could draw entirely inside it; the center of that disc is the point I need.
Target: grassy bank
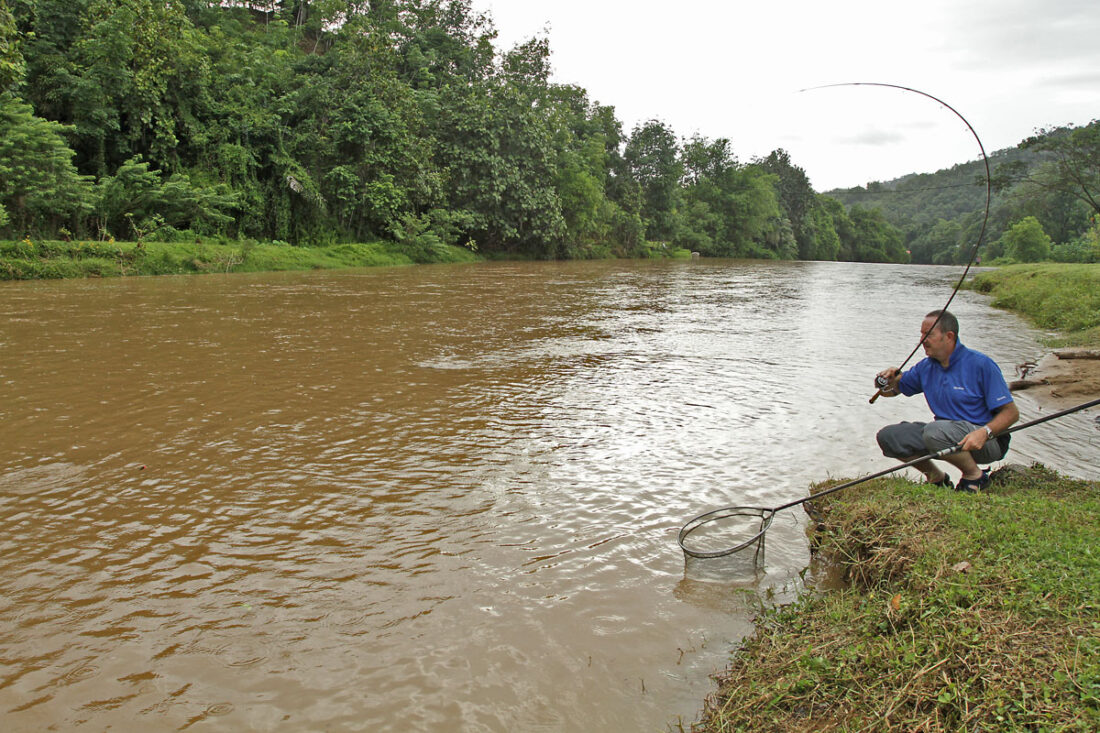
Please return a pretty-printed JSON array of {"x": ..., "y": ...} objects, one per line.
[
  {"x": 1055, "y": 296},
  {"x": 49, "y": 259},
  {"x": 29, "y": 260},
  {"x": 976, "y": 613}
]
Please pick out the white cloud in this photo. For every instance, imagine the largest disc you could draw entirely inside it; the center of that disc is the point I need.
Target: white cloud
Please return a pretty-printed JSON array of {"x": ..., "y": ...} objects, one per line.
[
  {"x": 735, "y": 69},
  {"x": 872, "y": 137}
]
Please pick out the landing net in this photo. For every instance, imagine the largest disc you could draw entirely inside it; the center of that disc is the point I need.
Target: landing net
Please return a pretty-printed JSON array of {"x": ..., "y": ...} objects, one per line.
[{"x": 723, "y": 532}]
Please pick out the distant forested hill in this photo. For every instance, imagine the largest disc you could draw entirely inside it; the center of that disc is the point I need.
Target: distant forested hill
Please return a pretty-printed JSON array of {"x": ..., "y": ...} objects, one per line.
[
  {"x": 1052, "y": 177},
  {"x": 918, "y": 198}
]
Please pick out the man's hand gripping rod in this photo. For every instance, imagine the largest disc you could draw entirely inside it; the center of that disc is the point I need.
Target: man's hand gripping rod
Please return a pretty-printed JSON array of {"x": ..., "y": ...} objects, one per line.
[{"x": 882, "y": 383}]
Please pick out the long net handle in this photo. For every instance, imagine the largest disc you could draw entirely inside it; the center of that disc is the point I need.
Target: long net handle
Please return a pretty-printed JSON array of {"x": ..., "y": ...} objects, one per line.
[
  {"x": 766, "y": 515},
  {"x": 938, "y": 454}
]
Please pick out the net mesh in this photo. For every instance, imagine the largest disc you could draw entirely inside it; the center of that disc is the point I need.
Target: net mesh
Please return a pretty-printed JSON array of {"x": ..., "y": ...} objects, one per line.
[{"x": 742, "y": 569}]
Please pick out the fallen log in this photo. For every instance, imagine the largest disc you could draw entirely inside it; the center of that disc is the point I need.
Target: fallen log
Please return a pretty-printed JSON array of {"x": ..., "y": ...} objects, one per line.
[
  {"x": 1020, "y": 384},
  {"x": 1077, "y": 353}
]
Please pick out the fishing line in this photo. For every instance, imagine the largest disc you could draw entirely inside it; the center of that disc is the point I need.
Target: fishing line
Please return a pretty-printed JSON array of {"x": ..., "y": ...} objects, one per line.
[{"x": 985, "y": 220}]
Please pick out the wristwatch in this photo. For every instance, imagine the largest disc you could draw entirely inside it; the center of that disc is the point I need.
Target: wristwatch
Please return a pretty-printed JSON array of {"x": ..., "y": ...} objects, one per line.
[{"x": 988, "y": 433}]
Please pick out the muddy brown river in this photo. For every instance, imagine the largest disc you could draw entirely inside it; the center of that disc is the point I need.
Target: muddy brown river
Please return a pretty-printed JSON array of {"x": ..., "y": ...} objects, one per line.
[{"x": 429, "y": 498}]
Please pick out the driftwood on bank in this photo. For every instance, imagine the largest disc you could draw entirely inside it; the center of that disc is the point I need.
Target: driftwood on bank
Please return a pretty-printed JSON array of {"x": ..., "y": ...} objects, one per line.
[
  {"x": 1077, "y": 353},
  {"x": 1019, "y": 384}
]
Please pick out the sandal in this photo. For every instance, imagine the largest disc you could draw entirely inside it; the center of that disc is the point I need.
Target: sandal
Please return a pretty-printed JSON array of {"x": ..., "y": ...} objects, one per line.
[
  {"x": 945, "y": 482},
  {"x": 974, "y": 485}
]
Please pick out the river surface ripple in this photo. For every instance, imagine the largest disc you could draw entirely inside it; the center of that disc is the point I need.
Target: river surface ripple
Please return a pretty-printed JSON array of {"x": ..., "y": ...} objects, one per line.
[{"x": 430, "y": 498}]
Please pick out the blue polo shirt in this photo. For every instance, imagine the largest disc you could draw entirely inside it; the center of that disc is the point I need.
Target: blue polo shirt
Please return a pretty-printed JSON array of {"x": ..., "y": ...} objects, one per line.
[{"x": 970, "y": 388}]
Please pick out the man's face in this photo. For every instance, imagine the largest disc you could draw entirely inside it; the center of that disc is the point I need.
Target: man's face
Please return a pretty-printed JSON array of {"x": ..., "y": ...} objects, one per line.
[{"x": 938, "y": 345}]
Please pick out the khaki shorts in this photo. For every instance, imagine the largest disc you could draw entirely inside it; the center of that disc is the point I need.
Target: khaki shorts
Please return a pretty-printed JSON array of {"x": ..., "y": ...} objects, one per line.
[{"x": 908, "y": 440}]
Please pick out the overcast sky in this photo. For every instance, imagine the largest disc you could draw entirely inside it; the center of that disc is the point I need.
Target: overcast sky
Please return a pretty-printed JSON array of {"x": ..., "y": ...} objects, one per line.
[{"x": 734, "y": 69}]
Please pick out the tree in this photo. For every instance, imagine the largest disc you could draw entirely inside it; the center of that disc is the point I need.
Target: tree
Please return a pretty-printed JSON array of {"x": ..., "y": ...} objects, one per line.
[
  {"x": 247, "y": 140},
  {"x": 729, "y": 208},
  {"x": 356, "y": 130},
  {"x": 842, "y": 223},
  {"x": 136, "y": 201},
  {"x": 796, "y": 198},
  {"x": 140, "y": 75},
  {"x": 318, "y": 121},
  {"x": 49, "y": 29},
  {"x": 1025, "y": 241},
  {"x": 12, "y": 65},
  {"x": 938, "y": 244},
  {"x": 825, "y": 240},
  {"x": 1088, "y": 246},
  {"x": 498, "y": 166},
  {"x": 873, "y": 239},
  {"x": 1073, "y": 162},
  {"x": 39, "y": 187},
  {"x": 652, "y": 159},
  {"x": 1063, "y": 215},
  {"x": 587, "y": 137}
]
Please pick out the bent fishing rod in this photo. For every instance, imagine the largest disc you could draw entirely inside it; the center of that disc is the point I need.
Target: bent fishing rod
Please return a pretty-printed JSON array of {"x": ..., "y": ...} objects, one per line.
[
  {"x": 767, "y": 514},
  {"x": 881, "y": 382}
]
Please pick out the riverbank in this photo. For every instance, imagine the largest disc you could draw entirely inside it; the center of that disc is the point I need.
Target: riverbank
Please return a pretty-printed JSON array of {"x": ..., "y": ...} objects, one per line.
[
  {"x": 1065, "y": 299},
  {"x": 960, "y": 612},
  {"x": 30, "y": 260},
  {"x": 50, "y": 259}
]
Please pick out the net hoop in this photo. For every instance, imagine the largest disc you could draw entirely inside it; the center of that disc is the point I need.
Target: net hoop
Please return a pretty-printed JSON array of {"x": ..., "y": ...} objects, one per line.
[{"x": 765, "y": 516}]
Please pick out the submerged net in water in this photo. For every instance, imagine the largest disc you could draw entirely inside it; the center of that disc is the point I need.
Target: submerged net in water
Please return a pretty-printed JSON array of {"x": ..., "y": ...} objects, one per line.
[{"x": 726, "y": 531}]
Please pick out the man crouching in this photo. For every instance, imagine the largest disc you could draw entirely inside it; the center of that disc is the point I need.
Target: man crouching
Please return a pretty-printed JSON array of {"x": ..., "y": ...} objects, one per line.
[{"x": 969, "y": 399}]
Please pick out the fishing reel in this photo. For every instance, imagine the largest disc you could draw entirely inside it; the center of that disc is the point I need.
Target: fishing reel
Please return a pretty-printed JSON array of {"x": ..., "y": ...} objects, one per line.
[{"x": 882, "y": 386}]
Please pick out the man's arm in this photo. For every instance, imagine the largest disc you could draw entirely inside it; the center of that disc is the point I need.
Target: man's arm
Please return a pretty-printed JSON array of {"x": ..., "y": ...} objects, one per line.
[{"x": 1003, "y": 419}]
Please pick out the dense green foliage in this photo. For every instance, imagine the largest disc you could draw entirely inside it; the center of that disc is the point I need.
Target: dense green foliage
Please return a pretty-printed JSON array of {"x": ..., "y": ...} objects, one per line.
[
  {"x": 326, "y": 121},
  {"x": 1025, "y": 241},
  {"x": 976, "y": 613},
  {"x": 1051, "y": 180}
]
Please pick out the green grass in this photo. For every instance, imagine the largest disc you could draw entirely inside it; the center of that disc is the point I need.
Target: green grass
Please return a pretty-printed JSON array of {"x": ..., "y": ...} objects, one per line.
[
  {"x": 918, "y": 641},
  {"x": 1064, "y": 297},
  {"x": 51, "y": 259},
  {"x": 30, "y": 260}
]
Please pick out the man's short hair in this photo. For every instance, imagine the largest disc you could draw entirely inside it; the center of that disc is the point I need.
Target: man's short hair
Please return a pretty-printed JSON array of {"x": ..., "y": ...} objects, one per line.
[{"x": 946, "y": 322}]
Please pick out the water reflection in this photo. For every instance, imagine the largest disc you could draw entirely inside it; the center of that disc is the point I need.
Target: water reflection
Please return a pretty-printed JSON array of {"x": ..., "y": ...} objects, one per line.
[{"x": 436, "y": 497}]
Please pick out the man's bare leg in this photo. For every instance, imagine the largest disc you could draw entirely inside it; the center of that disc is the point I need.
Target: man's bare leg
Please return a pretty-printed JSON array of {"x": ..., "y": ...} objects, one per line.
[
  {"x": 965, "y": 462},
  {"x": 931, "y": 471}
]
